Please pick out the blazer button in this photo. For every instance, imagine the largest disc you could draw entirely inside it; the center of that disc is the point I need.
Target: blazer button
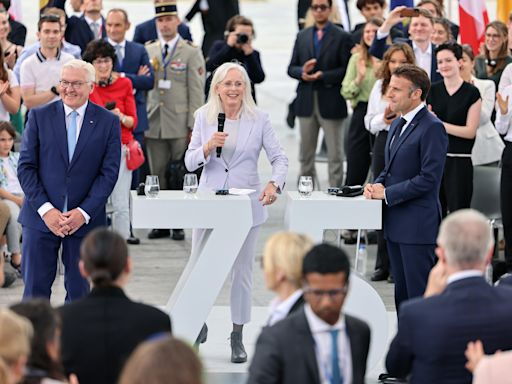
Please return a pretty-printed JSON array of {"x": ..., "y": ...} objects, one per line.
[
  {"x": 226, "y": 170},
  {"x": 389, "y": 175}
]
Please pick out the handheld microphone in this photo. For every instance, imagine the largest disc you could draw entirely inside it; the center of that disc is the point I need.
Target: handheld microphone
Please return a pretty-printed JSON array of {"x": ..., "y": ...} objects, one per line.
[{"x": 220, "y": 128}]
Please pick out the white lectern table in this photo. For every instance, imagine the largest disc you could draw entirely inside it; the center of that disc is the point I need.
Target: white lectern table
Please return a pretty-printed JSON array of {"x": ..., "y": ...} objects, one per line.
[
  {"x": 207, "y": 269},
  {"x": 311, "y": 216}
]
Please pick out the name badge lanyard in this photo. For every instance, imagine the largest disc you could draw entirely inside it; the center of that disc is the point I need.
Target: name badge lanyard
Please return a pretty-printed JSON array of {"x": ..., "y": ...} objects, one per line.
[{"x": 169, "y": 58}]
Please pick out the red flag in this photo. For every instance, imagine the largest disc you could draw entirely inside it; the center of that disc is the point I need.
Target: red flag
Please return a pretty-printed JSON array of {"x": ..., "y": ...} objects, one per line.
[{"x": 473, "y": 18}]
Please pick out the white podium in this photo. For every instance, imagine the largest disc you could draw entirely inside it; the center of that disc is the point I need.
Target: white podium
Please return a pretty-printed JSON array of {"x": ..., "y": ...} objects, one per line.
[
  {"x": 312, "y": 215},
  {"x": 207, "y": 269}
]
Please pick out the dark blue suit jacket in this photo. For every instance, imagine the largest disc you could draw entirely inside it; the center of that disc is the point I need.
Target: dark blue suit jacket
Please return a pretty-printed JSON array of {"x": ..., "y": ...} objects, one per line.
[
  {"x": 412, "y": 177},
  {"x": 46, "y": 175},
  {"x": 136, "y": 55},
  {"x": 146, "y": 31},
  {"x": 379, "y": 47},
  {"x": 79, "y": 33},
  {"x": 332, "y": 60},
  {"x": 433, "y": 333}
]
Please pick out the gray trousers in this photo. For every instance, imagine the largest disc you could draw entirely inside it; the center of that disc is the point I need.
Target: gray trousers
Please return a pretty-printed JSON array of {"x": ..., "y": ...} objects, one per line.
[
  {"x": 160, "y": 152},
  {"x": 333, "y": 131}
]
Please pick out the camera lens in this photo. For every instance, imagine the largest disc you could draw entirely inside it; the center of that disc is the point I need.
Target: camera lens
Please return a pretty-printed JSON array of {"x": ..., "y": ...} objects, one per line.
[{"x": 242, "y": 38}]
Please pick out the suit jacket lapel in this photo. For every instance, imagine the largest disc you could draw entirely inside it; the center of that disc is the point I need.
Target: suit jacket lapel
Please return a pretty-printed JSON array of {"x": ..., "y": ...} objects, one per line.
[
  {"x": 310, "y": 45},
  {"x": 307, "y": 343},
  {"x": 355, "y": 347},
  {"x": 408, "y": 130},
  {"x": 88, "y": 124},
  {"x": 60, "y": 131},
  {"x": 246, "y": 127}
]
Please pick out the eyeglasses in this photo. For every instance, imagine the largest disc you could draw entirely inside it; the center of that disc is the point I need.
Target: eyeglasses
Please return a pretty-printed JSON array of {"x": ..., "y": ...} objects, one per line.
[
  {"x": 230, "y": 84},
  {"x": 334, "y": 294},
  {"x": 103, "y": 60},
  {"x": 72, "y": 84},
  {"x": 319, "y": 7}
]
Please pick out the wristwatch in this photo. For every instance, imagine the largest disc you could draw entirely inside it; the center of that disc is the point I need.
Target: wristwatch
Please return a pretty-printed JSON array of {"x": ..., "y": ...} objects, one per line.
[
  {"x": 123, "y": 120},
  {"x": 54, "y": 90},
  {"x": 274, "y": 184}
]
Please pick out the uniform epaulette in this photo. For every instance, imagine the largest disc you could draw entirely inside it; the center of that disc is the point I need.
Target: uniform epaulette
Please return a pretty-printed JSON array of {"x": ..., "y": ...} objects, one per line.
[
  {"x": 151, "y": 42},
  {"x": 191, "y": 43}
]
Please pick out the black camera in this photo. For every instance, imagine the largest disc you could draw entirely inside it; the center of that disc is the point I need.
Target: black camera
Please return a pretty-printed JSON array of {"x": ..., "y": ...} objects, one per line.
[{"x": 242, "y": 38}]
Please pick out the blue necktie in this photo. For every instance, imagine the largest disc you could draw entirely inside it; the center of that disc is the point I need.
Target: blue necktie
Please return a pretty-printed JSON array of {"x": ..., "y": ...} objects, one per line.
[
  {"x": 336, "y": 377},
  {"x": 72, "y": 134},
  {"x": 119, "y": 55}
]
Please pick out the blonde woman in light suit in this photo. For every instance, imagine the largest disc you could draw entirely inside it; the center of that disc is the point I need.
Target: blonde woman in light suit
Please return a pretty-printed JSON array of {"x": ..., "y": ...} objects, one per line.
[{"x": 247, "y": 131}]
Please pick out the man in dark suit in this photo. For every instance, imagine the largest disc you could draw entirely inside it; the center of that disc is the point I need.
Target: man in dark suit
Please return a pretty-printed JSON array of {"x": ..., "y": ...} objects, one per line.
[
  {"x": 460, "y": 306},
  {"x": 420, "y": 32},
  {"x": 215, "y": 14},
  {"x": 100, "y": 331},
  {"x": 319, "y": 61},
  {"x": 68, "y": 167},
  {"x": 18, "y": 32},
  {"x": 132, "y": 62},
  {"x": 311, "y": 345},
  {"x": 409, "y": 183}
]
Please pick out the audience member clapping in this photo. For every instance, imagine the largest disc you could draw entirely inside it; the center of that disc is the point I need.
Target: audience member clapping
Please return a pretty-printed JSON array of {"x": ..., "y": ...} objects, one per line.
[
  {"x": 164, "y": 361},
  {"x": 11, "y": 50},
  {"x": 282, "y": 264},
  {"x": 100, "y": 331},
  {"x": 15, "y": 335}
]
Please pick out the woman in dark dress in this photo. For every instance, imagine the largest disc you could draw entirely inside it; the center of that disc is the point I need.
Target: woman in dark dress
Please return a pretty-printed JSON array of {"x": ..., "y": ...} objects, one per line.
[{"x": 458, "y": 105}]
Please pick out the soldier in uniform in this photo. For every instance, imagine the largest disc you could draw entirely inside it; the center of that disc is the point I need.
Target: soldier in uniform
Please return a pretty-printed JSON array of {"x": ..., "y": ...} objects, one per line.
[{"x": 179, "y": 90}]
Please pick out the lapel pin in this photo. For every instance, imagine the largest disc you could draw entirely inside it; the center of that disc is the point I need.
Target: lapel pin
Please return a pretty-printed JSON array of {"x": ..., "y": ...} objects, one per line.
[{"x": 91, "y": 121}]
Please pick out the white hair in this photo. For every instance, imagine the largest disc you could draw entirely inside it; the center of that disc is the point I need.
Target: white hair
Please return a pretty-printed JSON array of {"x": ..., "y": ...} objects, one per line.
[
  {"x": 80, "y": 64},
  {"x": 466, "y": 238},
  {"x": 213, "y": 105}
]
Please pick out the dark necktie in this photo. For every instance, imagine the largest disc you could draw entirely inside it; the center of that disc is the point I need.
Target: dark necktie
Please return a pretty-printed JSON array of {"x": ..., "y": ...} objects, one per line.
[
  {"x": 337, "y": 377},
  {"x": 398, "y": 131},
  {"x": 166, "y": 51}
]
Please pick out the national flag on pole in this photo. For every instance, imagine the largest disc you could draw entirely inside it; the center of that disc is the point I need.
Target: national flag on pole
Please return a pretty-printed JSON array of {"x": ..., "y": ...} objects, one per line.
[
  {"x": 472, "y": 19},
  {"x": 504, "y": 10}
]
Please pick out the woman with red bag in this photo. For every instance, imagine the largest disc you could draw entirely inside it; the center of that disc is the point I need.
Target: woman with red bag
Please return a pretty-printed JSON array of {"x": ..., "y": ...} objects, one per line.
[{"x": 116, "y": 94}]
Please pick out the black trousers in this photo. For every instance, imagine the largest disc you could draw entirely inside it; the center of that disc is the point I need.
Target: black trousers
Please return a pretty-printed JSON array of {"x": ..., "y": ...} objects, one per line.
[
  {"x": 457, "y": 184},
  {"x": 358, "y": 147},
  {"x": 378, "y": 163},
  {"x": 506, "y": 199}
]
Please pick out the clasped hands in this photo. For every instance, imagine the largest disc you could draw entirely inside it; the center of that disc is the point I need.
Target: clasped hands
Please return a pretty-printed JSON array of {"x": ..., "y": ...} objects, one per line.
[
  {"x": 63, "y": 224},
  {"x": 374, "y": 191},
  {"x": 307, "y": 68}
]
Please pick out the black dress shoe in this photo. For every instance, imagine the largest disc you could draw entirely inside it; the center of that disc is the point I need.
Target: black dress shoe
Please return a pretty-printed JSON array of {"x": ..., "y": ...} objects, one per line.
[
  {"x": 159, "y": 233},
  {"x": 9, "y": 278},
  {"x": 238, "y": 354},
  {"x": 178, "y": 234},
  {"x": 390, "y": 279},
  {"x": 290, "y": 117},
  {"x": 379, "y": 275},
  {"x": 133, "y": 240}
]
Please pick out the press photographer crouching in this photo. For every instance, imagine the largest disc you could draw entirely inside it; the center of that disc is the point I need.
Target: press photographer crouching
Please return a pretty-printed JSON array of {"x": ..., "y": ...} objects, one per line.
[{"x": 236, "y": 47}]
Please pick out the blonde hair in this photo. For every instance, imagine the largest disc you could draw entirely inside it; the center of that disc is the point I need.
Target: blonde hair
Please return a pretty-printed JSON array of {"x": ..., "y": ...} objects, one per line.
[
  {"x": 213, "y": 105},
  {"x": 15, "y": 334},
  {"x": 284, "y": 251}
]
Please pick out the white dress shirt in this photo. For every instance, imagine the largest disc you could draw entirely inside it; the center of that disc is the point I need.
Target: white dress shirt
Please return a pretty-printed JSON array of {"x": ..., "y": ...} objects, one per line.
[
  {"x": 423, "y": 58},
  {"x": 122, "y": 46},
  {"x": 320, "y": 330},
  {"x": 278, "y": 309},
  {"x": 79, "y": 120},
  {"x": 503, "y": 123},
  {"x": 463, "y": 275},
  {"x": 171, "y": 43},
  {"x": 374, "y": 118}
]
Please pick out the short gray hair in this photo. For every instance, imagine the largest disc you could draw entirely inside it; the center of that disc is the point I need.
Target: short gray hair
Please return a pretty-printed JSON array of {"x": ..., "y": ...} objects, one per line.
[
  {"x": 214, "y": 106},
  {"x": 466, "y": 238},
  {"x": 80, "y": 64}
]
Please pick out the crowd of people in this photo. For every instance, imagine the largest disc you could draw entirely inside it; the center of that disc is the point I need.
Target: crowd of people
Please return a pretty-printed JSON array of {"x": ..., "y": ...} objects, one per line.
[{"x": 422, "y": 112}]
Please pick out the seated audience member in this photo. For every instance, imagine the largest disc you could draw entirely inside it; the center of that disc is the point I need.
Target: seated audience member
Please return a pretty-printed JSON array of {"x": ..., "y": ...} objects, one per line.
[
  {"x": 488, "y": 369},
  {"x": 10, "y": 191},
  {"x": 442, "y": 33},
  {"x": 459, "y": 306},
  {"x": 237, "y": 46},
  {"x": 488, "y": 145},
  {"x": 15, "y": 335},
  {"x": 496, "y": 56},
  {"x": 44, "y": 360},
  {"x": 116, "y": 94},
  {"x": 10, "y": 49},
  {"x": 164, "y": 361},
  {"x": 378, "y": 120},
  {"x": 372, "y": 9},
  {"x": 282, "y": 264},
  {"x": 311, "y": 345},
  {"x": 100, "y": 331}
]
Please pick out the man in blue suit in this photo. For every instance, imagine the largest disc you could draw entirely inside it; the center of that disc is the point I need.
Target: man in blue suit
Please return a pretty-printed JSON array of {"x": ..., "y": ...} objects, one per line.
[
  {"x": 409, "y": 183},
  {"x": 68, "y": 166},
  {"x": 459, "y": 306},
  {"x": 420, "y": 32},
  {"x": 132, "y": 62}
]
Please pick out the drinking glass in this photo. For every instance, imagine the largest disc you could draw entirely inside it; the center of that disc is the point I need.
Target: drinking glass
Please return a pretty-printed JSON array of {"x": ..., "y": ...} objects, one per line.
[
  {"x": 190, "y": 183},
  {"x": 152, "y": 186},
  {"x": 305, "y": 186}
]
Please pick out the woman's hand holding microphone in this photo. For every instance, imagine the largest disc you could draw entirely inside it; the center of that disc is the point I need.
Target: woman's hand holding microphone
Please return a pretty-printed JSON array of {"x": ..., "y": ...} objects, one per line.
[{"x": 218, "y": 139}]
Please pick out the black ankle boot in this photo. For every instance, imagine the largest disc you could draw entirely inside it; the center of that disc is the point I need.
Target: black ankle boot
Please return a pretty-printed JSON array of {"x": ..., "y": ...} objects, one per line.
[{"x": 238, "y": 354}]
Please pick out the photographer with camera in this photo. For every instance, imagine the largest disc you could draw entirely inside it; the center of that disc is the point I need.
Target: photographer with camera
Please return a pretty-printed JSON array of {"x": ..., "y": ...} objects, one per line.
[{"x": 237, "y": 47}]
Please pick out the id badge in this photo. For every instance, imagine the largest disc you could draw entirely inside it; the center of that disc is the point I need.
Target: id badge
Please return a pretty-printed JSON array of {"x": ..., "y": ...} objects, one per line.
[{"x": 164, "y": 84}]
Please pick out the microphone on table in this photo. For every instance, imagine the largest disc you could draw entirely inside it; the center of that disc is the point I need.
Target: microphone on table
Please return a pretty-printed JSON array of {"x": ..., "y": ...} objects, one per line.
[{"x": 220, "y": 128}]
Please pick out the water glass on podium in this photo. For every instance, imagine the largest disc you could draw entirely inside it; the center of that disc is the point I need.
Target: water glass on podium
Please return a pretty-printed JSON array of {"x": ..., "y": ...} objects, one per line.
[
  {"x": 190, "y": 183},
  {"x": 152, "y": 187},
  {"x": 305, "y": 186}
]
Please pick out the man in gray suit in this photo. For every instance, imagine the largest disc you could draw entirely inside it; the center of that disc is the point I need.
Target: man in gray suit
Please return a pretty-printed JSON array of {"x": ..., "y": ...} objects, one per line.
[
  {"x": 311, "y": 345},
  {"x": 179, "y": 90}
]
